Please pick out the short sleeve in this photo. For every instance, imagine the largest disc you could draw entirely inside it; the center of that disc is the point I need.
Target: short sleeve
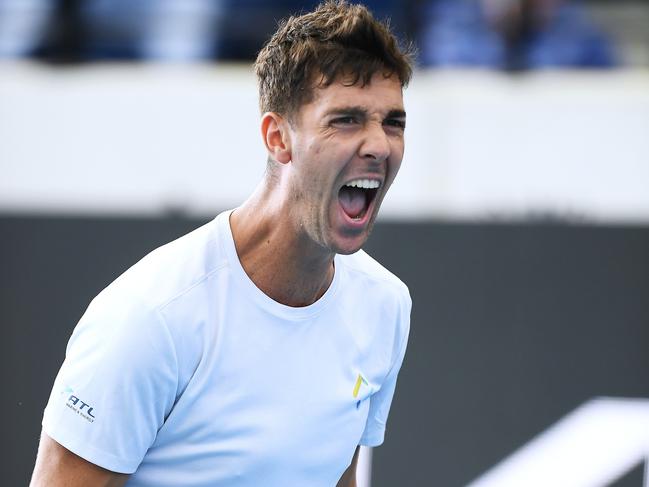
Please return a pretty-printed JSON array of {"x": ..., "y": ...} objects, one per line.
[
  {"x": 116, "y": 386},
  {"x": 381, "y": 400}
]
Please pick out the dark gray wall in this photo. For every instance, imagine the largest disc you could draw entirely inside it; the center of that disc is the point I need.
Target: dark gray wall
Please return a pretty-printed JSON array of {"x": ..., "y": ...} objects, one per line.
[{"x": 513, "y": 326}]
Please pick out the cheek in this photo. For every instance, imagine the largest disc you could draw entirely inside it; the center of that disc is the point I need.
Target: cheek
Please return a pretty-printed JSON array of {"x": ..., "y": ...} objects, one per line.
[
  {"x": 398, "y": 147},
  {"x": 394, "y": 163}
]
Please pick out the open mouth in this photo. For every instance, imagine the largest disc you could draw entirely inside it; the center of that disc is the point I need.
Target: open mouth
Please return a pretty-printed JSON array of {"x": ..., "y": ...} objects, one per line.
[{"x": 356, "y": 197}]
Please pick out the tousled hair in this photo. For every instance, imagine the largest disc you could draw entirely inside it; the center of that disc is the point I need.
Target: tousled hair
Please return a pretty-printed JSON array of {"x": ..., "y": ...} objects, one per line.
[{"x": 337, "y": 40}]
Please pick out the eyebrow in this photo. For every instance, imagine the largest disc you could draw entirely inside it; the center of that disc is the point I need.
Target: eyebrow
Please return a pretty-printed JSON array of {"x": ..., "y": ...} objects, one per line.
[
  {"x": 361, "y": 112},
  {"x": 396, "y": 114}
]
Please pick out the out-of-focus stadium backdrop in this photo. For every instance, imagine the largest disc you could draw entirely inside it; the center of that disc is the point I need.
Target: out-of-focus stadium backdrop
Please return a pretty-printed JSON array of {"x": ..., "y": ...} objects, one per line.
[{"x": 520, "y": 218}]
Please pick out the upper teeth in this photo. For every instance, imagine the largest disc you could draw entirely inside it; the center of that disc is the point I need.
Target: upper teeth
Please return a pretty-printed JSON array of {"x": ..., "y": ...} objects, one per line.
[{"x": 364, "y": 183}]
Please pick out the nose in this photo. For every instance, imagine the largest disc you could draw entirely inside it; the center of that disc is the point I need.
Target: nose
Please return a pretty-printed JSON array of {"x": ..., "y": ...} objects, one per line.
[{"x": 375, "y": 146}]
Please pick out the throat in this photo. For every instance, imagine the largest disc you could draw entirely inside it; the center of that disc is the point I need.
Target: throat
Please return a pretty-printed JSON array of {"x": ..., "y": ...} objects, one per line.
[
  {"x": 294, "y": 284},
  {"x": 287, "y": 267}
]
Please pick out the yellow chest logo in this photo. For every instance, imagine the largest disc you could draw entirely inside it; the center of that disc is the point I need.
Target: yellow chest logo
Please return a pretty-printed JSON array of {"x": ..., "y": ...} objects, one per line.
[{"x": 360, "y": 380}]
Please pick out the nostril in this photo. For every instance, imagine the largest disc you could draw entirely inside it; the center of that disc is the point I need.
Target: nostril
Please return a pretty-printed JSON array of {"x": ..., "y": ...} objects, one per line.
[
  {"x": 376, "y": 156},
  {"x": 376, "y": 152},
  {"x": 376, "y": 146}
]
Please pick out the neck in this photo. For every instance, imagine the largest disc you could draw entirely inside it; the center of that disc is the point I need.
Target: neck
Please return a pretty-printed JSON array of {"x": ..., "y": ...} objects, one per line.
[{"x": 275, "y": 253}]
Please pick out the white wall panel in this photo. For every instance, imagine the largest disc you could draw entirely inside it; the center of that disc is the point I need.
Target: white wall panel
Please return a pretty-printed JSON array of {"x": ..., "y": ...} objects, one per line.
[{"x": 147, "y": 138}]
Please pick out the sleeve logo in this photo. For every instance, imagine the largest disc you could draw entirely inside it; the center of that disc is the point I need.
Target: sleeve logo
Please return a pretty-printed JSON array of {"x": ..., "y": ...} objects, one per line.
[{"x": 80, "y": 407}]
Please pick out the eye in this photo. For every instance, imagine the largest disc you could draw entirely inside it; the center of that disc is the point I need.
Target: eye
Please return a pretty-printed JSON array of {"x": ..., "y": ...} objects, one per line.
[
  {"x": 395, "y": 122},
  {"x": 347, "y": 120}
]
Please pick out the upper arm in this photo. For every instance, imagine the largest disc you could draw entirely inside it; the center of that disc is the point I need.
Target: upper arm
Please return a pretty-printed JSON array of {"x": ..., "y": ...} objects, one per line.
[
  {"x": 57, "y": 466},
  {"x": 348, "y": 478},
  {"x": 116, "y": 386}
]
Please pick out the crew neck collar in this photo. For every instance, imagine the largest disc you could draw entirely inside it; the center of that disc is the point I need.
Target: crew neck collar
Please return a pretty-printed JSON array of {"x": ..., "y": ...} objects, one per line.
[{"x": 262, "y": 299}]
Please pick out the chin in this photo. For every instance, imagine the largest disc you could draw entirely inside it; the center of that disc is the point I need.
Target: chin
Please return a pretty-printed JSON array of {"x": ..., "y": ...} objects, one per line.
[
  {"x": 348, "y": 245},
  {"x": 348, "y": 250}
]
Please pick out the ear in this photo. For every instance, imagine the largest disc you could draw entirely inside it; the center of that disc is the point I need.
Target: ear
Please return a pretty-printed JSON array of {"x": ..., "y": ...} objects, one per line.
[{"x": 275, "y": 133}]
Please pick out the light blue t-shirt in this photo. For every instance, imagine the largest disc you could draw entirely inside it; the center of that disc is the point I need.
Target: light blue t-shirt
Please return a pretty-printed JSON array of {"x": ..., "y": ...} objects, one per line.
[{"x": 182, "y": 372}]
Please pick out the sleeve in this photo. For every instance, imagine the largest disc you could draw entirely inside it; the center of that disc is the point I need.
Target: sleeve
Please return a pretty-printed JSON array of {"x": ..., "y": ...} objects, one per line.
[
  {"x": 381, "y": 400},
  {"x": 116, "y": 386}
]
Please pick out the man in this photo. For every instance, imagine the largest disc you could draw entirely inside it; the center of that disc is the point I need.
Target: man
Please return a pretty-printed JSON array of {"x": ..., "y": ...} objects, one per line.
[{"x": 262, "y": 348}]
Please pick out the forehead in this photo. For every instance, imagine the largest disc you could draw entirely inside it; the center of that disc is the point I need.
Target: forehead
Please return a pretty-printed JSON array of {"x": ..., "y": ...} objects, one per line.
[{"x": 380, "y": 95}]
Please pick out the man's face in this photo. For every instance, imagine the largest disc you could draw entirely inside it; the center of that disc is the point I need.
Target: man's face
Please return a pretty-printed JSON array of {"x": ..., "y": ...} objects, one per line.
[{"x": 346, "y": 149}]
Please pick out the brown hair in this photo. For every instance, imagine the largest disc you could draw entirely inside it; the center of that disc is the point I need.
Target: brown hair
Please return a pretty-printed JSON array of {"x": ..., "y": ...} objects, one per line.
[{"x": 336, "y": 39}]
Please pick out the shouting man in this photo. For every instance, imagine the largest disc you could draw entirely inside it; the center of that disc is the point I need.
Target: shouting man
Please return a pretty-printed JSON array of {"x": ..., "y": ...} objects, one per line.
[{"x": 263, "y": 348}]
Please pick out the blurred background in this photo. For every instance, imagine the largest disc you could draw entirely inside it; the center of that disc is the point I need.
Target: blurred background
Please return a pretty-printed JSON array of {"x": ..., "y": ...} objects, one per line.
[{"x": 520, "y": 218}]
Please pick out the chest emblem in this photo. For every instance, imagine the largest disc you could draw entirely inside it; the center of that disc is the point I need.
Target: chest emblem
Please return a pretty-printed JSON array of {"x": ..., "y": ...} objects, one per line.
[{"x": 360, "y": 382}]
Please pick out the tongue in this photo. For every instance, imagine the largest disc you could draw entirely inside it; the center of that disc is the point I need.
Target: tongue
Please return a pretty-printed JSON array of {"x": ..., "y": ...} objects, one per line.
[{"x": 352, "y": 200}]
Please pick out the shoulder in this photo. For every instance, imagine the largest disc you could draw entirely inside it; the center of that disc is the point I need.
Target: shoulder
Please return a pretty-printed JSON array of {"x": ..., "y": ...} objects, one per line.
[
  {"x": 130, "y": 312},
  {"x": 160, "y": 303},
  {"x": 384, "y": 296},
  {"x": 170, "y": 270},
  {"x": 362, "y": 267},
  {"x": 126, "y": 325}
]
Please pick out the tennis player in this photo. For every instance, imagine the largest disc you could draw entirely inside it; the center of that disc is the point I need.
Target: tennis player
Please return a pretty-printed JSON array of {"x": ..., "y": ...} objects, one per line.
[{"x": 263, "y": 348}]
